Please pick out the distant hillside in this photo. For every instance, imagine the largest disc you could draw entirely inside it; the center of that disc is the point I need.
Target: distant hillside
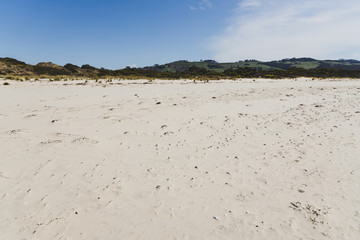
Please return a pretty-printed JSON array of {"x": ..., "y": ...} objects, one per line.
[
  {"x": 304, "y": 63},
  {"x": 10, "y": 66},
  {"x": 207, "y": 69}
]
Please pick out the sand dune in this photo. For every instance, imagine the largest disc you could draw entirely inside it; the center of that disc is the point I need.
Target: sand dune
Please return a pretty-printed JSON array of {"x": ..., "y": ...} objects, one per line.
[{"x": 264, "y": 159}]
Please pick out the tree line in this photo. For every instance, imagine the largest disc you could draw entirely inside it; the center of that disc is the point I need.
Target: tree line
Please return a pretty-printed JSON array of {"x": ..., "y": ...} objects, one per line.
[{"x": 13, "y": 67}]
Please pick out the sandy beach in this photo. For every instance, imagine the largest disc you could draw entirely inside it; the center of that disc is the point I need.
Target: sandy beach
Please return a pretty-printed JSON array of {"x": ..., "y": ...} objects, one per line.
[{"x": 244, "y": 159}]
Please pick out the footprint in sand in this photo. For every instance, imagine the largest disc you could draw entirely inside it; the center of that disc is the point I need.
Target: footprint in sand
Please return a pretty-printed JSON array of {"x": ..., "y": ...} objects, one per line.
[
  {"x": 84, "y": 140},
  {"x": 51, "y": 142},
  {"x": 14, "y": 131},
  {"x": 2, "y": 175},
  {"x": 30, "y": 116},
  {"x": 76, "y": 138}
]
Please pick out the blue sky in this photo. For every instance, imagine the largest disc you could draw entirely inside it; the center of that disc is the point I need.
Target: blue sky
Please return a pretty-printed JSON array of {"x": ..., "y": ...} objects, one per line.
[{"x": 113, "y": 34}]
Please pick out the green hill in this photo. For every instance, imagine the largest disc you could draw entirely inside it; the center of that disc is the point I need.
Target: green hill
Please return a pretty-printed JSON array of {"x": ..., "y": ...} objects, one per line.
[
  {"x": 284, "y": 64},
  {"x": 207, "y": 69}
]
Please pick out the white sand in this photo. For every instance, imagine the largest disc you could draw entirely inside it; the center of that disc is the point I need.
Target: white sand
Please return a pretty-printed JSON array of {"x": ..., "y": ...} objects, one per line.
[{"x": 219, "y": 160}]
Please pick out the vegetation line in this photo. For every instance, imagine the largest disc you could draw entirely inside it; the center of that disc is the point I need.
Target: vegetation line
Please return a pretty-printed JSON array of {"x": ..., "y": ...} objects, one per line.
[{"x": 209, "y": 69}]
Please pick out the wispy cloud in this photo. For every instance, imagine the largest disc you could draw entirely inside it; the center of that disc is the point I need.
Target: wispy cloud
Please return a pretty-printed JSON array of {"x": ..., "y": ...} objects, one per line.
[
  {"x": 267, "y": 30},
  {"x": 202, "y": 5},
  {"x": 250, "y": 3}
]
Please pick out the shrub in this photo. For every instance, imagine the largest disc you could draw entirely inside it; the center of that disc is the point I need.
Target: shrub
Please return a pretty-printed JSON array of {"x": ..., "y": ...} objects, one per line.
[{"x": 6, "y": 83}]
